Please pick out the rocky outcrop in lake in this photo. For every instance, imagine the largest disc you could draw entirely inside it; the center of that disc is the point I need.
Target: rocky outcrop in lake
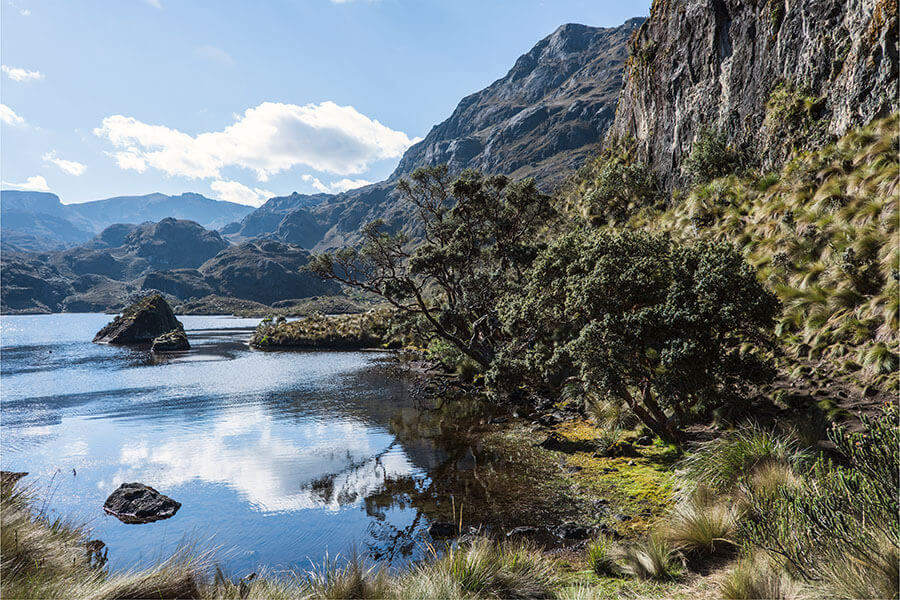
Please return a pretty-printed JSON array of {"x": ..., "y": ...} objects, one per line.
[
  {"x": 139, "y": 503},
  {"x": 761, "y": 72},
  {"x": 173, "y": 341},
  {"x": 141, "y": 323}
]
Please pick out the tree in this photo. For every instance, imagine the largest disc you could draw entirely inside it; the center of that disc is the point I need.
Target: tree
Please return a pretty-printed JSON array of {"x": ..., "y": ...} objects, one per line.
[
  {"x": 665, "y": 328},
  {"x": 479, "y": 235}
]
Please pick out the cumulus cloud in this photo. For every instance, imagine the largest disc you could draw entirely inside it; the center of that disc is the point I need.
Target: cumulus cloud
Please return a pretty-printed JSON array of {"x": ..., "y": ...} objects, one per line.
[
  {"x": 335, "y": 187},
  {"x": 17, "y": 74},
  {"x": 233, "y": 191},
  {"x": 69, "y": 166},
  {"x": 34, "y": 184},
  {"x": 267, "y": 139},
  {"x": 9, "y": 116}
]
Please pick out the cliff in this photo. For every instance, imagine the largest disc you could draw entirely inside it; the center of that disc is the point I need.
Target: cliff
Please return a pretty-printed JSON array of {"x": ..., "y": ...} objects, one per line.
[{"x": 766, "y": 73}]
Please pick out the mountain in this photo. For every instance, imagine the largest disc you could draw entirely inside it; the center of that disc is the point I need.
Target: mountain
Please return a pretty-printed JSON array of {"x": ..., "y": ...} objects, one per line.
[
  {"x": 175, "y": 256},
  {"x": 39, "y": 221},
  {"x": 266, "y": 218},
  {"x": 762, "y": 73},
  {"x": 542, "y": 120}
]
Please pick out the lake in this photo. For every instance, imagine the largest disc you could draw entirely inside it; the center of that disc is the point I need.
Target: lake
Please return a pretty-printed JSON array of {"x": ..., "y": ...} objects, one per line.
[{"x": 276, "y": 457}]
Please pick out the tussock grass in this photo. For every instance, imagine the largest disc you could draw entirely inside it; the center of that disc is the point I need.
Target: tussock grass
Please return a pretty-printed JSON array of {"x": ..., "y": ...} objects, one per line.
[
  {"x": 601, "y": 557},
  {"x": 699, "y": 529},
  {"x": 754, "y": 577},
  {"x": 651, "y": 558}
]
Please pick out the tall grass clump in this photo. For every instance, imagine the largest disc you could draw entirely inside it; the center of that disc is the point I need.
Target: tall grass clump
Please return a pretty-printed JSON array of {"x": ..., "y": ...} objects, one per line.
[
  {"x": 40, "y": 558},
  {"x": 840, "y": 530},
  {"x": 601, "y": 557},
  {"x": 722, "y": 463},
  {"x": 754, "y": 577},
  {"x": 653, "y": 557},
  {"x": 701, "y": 529}
]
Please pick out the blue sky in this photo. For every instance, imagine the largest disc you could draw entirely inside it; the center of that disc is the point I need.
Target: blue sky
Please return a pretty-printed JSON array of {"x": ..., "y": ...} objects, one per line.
[{"x": 245, "y": 100}]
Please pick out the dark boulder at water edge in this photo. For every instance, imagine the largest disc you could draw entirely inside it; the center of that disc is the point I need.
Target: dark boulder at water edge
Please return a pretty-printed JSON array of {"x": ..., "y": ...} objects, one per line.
[
  {"x": 139, "y": 503},
  {"x": 173, "y": 341},
  {"x": 141, "y": 322}
]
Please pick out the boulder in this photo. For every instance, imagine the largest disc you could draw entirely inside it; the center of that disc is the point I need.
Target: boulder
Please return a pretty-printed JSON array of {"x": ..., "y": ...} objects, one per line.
[
  {"x": 539, "y": 535},
  {"x": 139, "y": 503},
  {"x": 141, "y": 322},
  {"x": 173, "y": 341}
]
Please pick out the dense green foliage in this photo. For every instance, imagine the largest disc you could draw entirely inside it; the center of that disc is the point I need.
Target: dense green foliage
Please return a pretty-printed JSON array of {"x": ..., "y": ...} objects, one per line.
[
  {"x": 667, "y": 329},
  {"x": 711, "y": 157},
  {"x": 479, "y": 235}
]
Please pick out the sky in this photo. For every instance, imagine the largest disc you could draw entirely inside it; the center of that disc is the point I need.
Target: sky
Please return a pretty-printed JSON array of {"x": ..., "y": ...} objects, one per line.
[{"x": 243, "y": 101}]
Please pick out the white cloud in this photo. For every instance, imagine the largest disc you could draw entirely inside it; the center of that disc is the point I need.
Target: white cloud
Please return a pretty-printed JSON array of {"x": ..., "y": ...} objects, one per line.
[
  {"x": 214, "y": 54},
  {"x": 232, "y": 191},
  {"x": 267, "y": 139},
  {"x": 335, "y": 187},
  {"x": 9, "y": 116},
  {"x": 17, "y": 74},
  {"x": 34, "y": 184},
  {"x": 22, "y": 11},
  {"x": 69, "y": 166},
  {"x": 154, "y": 3}
]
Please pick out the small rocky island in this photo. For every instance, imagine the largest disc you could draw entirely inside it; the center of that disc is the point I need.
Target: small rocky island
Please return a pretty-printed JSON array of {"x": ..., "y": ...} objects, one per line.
[
  {"x": 150, "y": 320},
  {"x": 139, "y": 503}
]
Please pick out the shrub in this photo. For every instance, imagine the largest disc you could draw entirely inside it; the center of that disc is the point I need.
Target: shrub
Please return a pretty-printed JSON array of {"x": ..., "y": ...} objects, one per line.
[
  {"x": 618, "y": 186},
  {"x": 666, "y": 329},
  {"x": 711, "y": 157}
]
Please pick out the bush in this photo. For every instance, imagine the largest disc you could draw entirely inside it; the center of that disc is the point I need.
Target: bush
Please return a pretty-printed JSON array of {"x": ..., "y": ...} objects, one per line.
[
  {"x": 667, "y": 329},
  {"x": 711, "y": 157},
  {"x": 615, "y": 186}
]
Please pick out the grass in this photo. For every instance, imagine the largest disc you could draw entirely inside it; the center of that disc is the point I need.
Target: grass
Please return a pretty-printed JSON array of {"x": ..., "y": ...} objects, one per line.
[
  {"x": 366, "y": 330},
  {"x": 754, "y": 577},
  {"x": 700, "y": 529},
  {"x": 651, "y": 558},
  {"x": 600, "y": 557}
]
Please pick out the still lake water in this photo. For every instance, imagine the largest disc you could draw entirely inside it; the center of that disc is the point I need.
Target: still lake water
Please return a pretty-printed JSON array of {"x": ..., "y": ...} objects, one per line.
[{"x": 275, "y": 457}]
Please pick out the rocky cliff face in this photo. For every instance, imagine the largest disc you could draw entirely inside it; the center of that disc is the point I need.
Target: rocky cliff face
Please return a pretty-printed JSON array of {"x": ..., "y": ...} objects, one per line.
[
  {"x": 541, "y": 118},
  {"x": 760, "y": 71}
]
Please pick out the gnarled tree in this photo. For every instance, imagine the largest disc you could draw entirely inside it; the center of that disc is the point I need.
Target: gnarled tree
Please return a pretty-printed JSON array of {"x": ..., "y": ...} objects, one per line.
[{"x": 479, "y": 234}]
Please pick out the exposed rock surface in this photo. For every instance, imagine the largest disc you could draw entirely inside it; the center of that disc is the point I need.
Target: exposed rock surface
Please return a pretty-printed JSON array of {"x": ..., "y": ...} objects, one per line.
[
  {"x": 717, "y": 62},
  {"x": 173, "y": 341},
  {"x": 139, "y": 503},
  {"x": 265, "y": 271},
  {"x": 543, "y": 119},
  {"x": 142, "y": 322}
]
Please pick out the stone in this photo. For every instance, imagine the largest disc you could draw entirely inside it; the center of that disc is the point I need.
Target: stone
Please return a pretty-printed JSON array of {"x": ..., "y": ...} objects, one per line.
[
  {"x": 443, "y": 530},
  {"x": 574, "y": 531},
  {"x": 539, "y": 535},
  {"x": 173, "y": 341},
  {"x": 139, "y": 503},
  {"x": 140, "y": 323}
]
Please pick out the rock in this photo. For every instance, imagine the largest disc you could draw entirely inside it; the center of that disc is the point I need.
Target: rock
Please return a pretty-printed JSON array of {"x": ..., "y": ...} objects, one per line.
[
  {"x": 443, "y": 530},
  {"x": 698, "y": 63},
  {"x": 139, "y": 503},
  {"x": 644, "y": 440},
  {"x": 173, "y": 341},
  {"x": 541, "y": 536},
  {"x": 498, "y": 420},
  {"x": 574, "y": 532},
  {"x": 142, "y": 322}
]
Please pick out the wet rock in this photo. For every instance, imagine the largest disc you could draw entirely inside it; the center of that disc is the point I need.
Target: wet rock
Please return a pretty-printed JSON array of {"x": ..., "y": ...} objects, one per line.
[
  {"x": 139, "y": 503},
  {"x": 574, "y": 532},
  {"x": 443, "y": 530},
  {"x": 644, "y": 440},
  {"x": 541, "y": 536},
  {"x": 141, "y": 322},
  {"x": 498, "y": 420},
  {"x": 173, "y": 341}
]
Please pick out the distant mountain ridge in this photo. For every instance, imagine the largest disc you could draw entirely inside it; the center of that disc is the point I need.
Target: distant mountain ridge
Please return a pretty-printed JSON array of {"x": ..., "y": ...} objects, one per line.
[
  {"x": 542, "y": 119},
  {"x": 39, "y": 221}
]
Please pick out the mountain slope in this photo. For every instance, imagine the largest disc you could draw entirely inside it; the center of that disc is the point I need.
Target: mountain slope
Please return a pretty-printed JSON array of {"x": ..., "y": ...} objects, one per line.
[
  {"x": 542, "y": 119},
  {"x": 39, "y": 221},
  {"x": 765, "y": 73}
]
